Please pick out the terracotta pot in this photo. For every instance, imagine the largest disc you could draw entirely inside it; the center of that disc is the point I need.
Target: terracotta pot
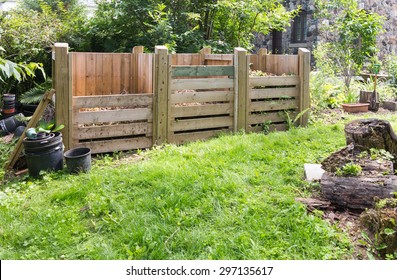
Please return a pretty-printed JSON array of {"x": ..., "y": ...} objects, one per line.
[{"x": 355, "y": 107}]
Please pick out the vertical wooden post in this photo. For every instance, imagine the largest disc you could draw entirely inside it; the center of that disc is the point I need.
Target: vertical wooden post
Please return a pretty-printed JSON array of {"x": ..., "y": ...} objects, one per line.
[
  {"x": 262, "y": 59},
  {"x": 304, "y": 76},
  {"x": 137, "y": 49},
  {"x": 203, "y": 52},
  {"x": 241, "y": 69},
  {"x": 160, "y": 97},
  {"x": 135, "y": 83},
  {"x": 63, "y": 92}
]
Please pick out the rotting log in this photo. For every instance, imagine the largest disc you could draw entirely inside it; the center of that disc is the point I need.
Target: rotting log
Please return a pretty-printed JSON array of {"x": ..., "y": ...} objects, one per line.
[
  {"x": 376, "y": 180},
  {"x": 357, "y": 192}
]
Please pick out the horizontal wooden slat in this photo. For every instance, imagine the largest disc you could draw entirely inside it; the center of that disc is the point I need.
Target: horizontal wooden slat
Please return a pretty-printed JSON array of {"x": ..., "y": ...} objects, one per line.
[
  {"x": 202, "y": 123},
  {"x": 117, "y": 144},
  {"x": 273, "y": 81},
  {"x": 116, "y": 100},
  {"x": 269, "y": 128},
  {"x": 219, "y": 57},
  {"x": 201, "y": 110},
  {"x": 116, "y": 130},
  {"x": 194, "y": 136},
  {"x": 280, "y": 116},
  {"x": 202, "y": 70},
  {"x": 181, "y": 84},
  {"x": 113, "y": 116},
  {"x": 273, "y": 93},
  {"x": 201, "y": 96},
  {"x": 273, "y": 105}
]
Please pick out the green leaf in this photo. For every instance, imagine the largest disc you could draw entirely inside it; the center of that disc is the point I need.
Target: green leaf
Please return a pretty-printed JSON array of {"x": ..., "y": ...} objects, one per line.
[{"x": 389, "y": 231}]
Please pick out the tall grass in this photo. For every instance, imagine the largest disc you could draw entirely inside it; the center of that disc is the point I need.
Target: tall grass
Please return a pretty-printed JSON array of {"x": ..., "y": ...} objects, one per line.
[{"x": 228, "y": 198}]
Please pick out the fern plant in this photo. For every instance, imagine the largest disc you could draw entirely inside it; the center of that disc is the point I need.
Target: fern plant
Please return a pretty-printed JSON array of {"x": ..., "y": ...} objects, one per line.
[{"x": 34, "y": 95}]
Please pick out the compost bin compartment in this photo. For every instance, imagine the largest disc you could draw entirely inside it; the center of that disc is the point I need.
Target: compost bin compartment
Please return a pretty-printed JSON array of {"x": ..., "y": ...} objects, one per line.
[
  {"x": 78, "y": 160},
  {"x": 44, "y": 154}
]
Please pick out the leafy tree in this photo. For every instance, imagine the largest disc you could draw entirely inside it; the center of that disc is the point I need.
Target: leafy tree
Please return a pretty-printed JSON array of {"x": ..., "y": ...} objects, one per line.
[
  {"x": 350, "y": 39},
  {"x": 186, "y": 25},
  {"x": 119, "y": 25},
  {"x": 28, "y": 36},
  {"x": 236, "y": 20},
  {"x": 55, "y": 5}
]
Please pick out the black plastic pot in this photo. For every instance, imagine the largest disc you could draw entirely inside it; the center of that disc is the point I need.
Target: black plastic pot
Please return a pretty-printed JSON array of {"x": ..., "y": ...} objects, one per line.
[
  {"x": 8, "y": 106},
  {"x": 78, "y": 160},
  {"x": 9, "y": 124},
  {"x": 44, "y": 154}
]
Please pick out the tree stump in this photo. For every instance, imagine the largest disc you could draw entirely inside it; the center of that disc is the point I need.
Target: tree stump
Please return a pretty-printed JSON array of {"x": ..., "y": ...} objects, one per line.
[
  {"x": 365, "y": 134},
  {"x": 371, "y": 144}
]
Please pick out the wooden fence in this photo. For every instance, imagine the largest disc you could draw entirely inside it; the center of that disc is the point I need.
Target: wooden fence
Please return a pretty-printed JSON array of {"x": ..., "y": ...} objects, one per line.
[{"x": 112, "y": 102}]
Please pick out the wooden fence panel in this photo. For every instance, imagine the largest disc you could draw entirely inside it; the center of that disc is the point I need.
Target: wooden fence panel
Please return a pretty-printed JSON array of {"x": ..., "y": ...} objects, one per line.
[
  {"x": 113, "y": 122},
  {"x": 273, "y": 102},
  {"x": 111, "y": 73},
  {"x": 201, "y": 102},
  {"x": 144, "y": 73},
  {"x": 134, "y": 100}
]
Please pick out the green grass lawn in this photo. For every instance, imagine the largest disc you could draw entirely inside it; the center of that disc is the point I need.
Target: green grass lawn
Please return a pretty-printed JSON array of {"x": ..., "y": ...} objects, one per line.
[{"x": 232, "y": 197}]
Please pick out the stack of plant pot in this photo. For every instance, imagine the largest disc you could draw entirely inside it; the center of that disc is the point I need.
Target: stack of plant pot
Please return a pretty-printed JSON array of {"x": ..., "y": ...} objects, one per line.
[
  {"x": 8, "y": 105},
  {"x": 11, "y": 121}
]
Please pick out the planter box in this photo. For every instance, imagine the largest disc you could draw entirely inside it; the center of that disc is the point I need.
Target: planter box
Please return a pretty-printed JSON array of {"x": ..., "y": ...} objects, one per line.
[
  {"x": 390, "y": 105},
  {"x": 355, "y": 107}
]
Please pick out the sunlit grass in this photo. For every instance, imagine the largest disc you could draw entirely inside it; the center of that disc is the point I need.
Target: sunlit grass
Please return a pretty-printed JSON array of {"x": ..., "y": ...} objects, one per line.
[{"x": 232, "y": 197}]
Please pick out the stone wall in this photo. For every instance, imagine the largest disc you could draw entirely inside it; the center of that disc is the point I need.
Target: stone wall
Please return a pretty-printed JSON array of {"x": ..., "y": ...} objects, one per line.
[{"x": 387, "y": 42}]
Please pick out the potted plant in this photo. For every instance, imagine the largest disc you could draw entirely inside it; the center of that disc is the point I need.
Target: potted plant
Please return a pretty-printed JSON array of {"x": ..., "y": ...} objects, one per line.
[{"x": 351, "y": 105}]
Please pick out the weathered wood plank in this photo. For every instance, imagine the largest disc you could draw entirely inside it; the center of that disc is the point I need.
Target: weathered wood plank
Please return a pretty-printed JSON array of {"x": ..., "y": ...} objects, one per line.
[
  {"x": 90, "y": 65},
  {"x": 282, "y": 64},
  {"x": 227, "y": 57},
  {"x": 202, "y": 123},
  {"x": 201, "y": 110},
  {"x": 273, "y": 105},
  {"x": 241, "y": 65},
  {"x": 161, "y": 95},
  {"x": 185, "y": 59},
  {"x": 63, "y": 91},
  {"x": 181, "y": 84},
  {"x": 273, "y": 93},
  {"x": 78, "y": 72},
  {"x": 304, "y": 75},
  {"x": 194, "y": 136},
  {"x": 119, "y": 115},
  {"x": 106, "y": 146},
  {"x": 202, "y": 70},
  {"x": 107, "y": 78},
  {"x": 99, "y": 75},
  {"x": 269, "y": 128},
  {"x": 116, "y": 100},
  {"x": 274, "y": 81},
  {"x": 201, "y": 96},
  {"x": 116, "y": 130},
  {"x": 144, "y": 78},
  {"x": 277, "y": 117}
]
